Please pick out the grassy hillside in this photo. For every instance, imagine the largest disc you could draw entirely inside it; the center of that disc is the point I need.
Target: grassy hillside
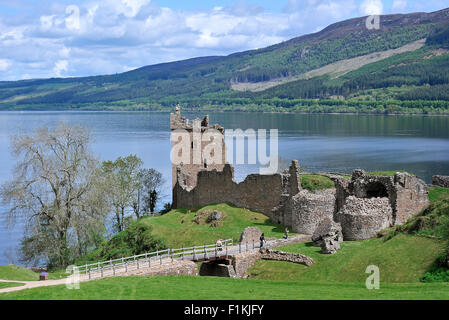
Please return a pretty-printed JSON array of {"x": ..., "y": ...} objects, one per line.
[
  {"x": 207, "y": 82},
  {"x": 12, "y": 272},
  {"x": 180, "y": 227},
  {"x": 404, "y": 258}
]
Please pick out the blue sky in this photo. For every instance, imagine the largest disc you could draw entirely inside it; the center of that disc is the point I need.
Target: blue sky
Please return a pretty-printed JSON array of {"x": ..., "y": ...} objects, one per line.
[{"x": 64, "y": 38}]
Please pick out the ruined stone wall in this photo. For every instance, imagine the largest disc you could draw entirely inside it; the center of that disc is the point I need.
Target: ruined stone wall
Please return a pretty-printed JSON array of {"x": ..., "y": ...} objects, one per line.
[
  {"x": 310, "y": 208},
  {"x": 267, "y": 254},
  {"x": 191, "y": 167},
  {"x": 367, "y": 204},
  {"x": 243, "y": 261},
  {"x": 362, "y": 218},
  {"x": 411, "y": 197},
  {"x": 262, "y": 193},
  {"x": 177, "y": 268},
  {"x": 440, "y": 181}
]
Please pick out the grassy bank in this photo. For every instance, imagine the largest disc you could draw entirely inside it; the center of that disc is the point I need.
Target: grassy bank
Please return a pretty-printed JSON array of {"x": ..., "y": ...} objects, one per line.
[
  {"x": 211, "y": 288},
  {"x": 12, "y": 272},
  {"x": 184, "y": 227},
  {"x": 405, "y": 258}
]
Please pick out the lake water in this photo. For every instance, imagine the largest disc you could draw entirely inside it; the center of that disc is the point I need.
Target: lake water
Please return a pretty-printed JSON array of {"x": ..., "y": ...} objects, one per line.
[{"x": 335, "y": 143}]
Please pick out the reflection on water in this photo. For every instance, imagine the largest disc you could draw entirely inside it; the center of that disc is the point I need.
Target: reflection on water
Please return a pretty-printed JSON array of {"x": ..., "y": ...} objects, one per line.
[{"x": 337, "y": 143}]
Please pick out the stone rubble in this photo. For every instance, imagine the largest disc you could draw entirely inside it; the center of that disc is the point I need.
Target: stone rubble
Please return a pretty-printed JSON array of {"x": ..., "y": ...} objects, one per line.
[
  {"x": 268, "y": 254},
  {"x": 440, "y": 181},
  {"x": 328, "y": 236}
]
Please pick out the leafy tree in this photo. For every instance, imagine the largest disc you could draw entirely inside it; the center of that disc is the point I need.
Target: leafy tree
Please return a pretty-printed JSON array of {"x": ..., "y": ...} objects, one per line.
[
  {"x": 53, "y": 189},
  {"x": 151, "y": 182},
  {"x": 120, "y": 183}
]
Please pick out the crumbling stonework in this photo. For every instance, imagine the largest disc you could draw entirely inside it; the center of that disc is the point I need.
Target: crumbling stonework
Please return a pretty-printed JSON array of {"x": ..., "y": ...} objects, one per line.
[
  {"x": 268, "y": 254},
  {"x": 328, "y": 236},
  {"x": 177, "y": 268},
  {"x": 250, "y": 235},
  {"x": 191, "y": 169},
  {"x": 441, "y": 181},
  {"x": 311, "y": 208},
  {"x": 268, "y": 194},
  {"x": 241, "y": 262},
  {"x": 362, "y": 218},
  {"x": 368, "y": 203}
]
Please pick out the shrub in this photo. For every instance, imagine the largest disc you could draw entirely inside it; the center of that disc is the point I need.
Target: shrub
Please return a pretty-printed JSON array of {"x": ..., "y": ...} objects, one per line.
[{"x": 137, "y": 239}]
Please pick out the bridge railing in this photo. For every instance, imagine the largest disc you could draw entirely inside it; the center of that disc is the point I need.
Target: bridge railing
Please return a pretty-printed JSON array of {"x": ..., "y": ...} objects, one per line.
[{"x": 159, "y": 257}]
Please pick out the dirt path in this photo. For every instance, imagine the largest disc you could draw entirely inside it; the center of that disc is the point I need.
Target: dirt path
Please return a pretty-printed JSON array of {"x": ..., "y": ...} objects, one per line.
[{"x": 33, "y": 284}]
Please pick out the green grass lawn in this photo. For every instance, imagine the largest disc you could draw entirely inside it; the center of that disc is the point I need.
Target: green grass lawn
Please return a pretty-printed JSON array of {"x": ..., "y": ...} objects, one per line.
[
  {"x": 384, "y": 173},
  {"x": 212, "y": 288},
  {"x": 404, "y": 258},
  {"x": 177, "y": 228},
  {"x": 12, "y": 272},
  {"x": 438, "y": 193},
  {"x": 9, "y": 284},
  {"x": 314, "y": 182}
]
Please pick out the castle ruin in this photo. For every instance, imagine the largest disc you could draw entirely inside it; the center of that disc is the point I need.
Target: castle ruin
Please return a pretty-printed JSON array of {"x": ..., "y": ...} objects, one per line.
[
  {"x": 191, "y": 167},
  {"x": 363, "y": 205}
]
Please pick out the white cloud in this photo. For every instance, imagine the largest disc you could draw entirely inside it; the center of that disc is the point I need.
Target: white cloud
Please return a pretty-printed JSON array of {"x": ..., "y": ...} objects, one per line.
[
  {"x": 64, "y": 52},
  {"x": 399, "y": 5},
  {"x": 371, "y": 7},
  {"x": 109, "y": 36},
  {"x": 4, "y": 64},
  {"x": 60, "y": 66}
]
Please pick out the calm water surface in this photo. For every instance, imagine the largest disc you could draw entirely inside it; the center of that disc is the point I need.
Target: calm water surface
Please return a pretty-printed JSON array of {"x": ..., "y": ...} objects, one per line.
[{"x": 337, "y": 143}]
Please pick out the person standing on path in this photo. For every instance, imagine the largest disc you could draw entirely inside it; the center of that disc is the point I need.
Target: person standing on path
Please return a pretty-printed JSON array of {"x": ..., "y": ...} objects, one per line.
[
  {"x": 262, "y": 240},
  {"x": 286, "y": 233}
]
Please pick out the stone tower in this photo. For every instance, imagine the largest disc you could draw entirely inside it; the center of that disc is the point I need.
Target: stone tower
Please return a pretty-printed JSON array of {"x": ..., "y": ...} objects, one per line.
[{"x": 189, "y": 171}]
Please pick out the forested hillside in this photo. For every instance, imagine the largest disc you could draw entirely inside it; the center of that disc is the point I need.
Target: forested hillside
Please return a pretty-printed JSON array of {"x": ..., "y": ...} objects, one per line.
[{"x": 415, "y": 81}]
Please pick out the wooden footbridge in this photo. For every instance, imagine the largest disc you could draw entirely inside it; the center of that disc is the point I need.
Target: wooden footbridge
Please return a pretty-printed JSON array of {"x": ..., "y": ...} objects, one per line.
[{"x": 160, "y": 258}]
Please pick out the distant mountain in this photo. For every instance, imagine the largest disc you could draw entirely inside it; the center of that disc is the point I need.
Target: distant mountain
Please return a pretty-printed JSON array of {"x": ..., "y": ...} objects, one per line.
[{"x": 344, "y": 68}]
